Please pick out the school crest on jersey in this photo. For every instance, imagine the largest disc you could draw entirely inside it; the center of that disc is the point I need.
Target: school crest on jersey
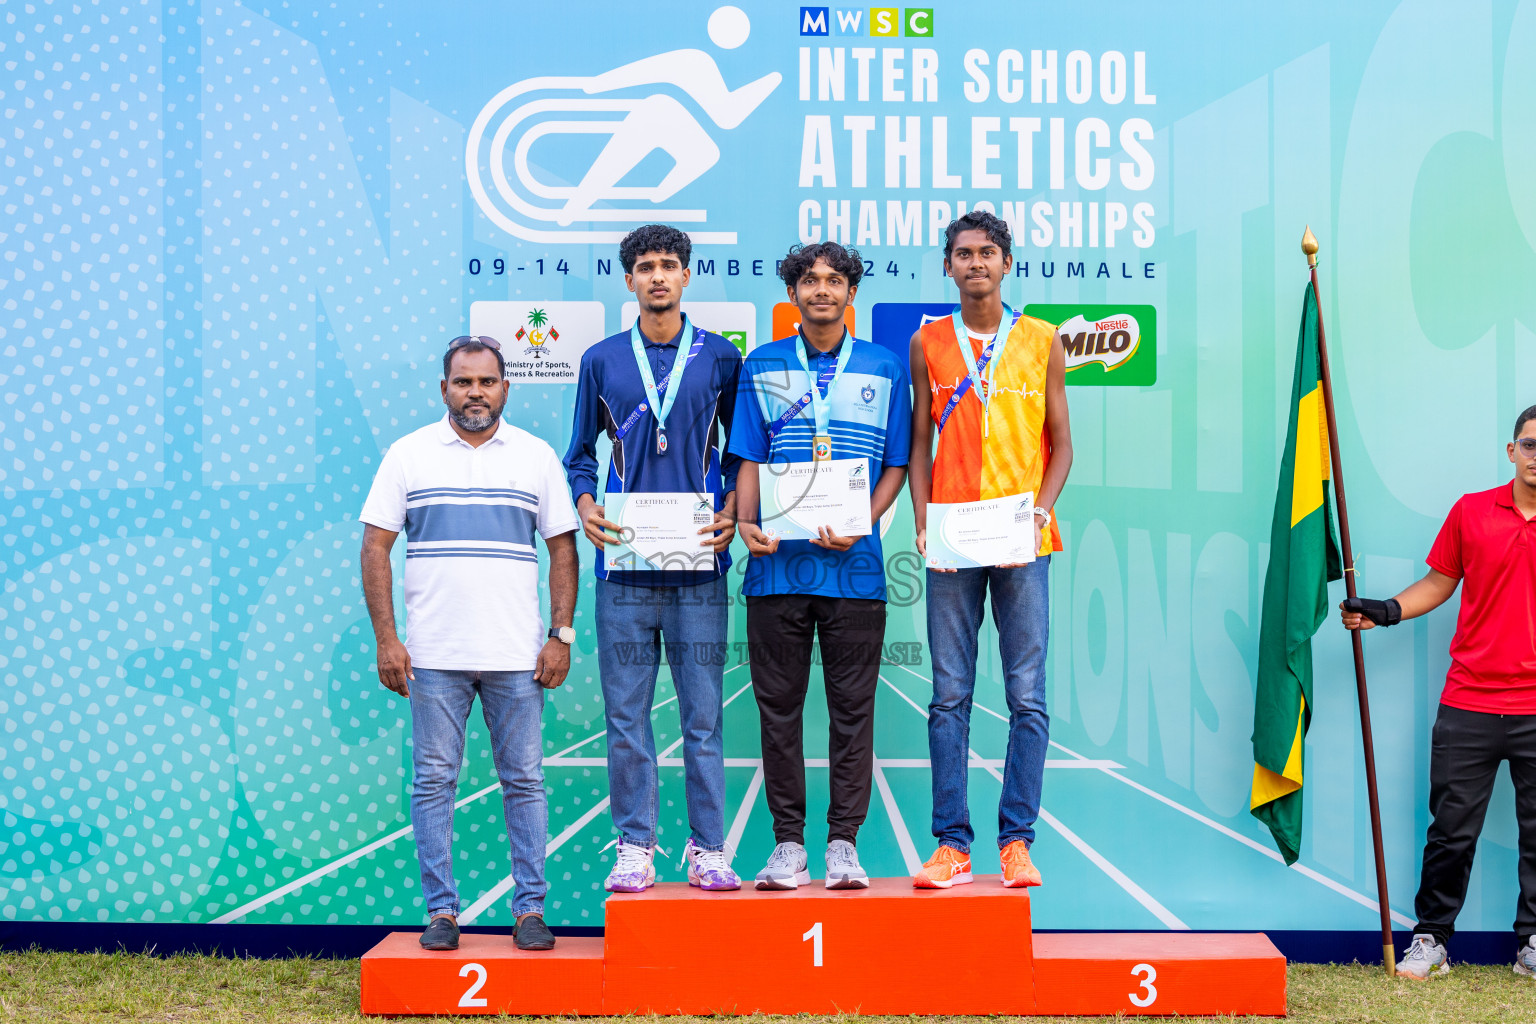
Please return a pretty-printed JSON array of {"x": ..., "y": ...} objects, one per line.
[{"x": 867, "y": 393}]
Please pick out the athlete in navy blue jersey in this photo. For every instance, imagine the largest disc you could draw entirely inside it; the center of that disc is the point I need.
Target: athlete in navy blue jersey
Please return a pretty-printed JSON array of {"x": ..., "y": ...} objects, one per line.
[{"x": 662, "y": 391}]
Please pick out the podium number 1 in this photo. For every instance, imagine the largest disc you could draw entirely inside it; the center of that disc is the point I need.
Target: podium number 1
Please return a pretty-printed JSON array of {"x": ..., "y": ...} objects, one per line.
[
  {"x": 1146, "y": 974},
  {"x": 468, "y": 999},
  {"x": 814, "y": 938}
]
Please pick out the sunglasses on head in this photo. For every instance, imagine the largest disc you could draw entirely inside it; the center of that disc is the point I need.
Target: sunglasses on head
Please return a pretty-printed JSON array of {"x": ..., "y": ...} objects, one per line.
[{"x": 474, "y": 339}]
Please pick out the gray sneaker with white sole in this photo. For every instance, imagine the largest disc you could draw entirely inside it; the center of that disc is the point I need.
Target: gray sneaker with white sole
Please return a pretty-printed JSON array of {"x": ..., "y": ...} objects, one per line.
[
  {"x": 1525, "y": 960},
  {"x": 1425, "y": 959},
  {"x": 787, "y": 868},
  {"x": 843, "y": 870}
]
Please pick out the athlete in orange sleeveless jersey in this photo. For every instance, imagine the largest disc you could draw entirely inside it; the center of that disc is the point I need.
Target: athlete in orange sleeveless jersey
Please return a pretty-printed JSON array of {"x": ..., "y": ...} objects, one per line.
[{"x": 999, "y": 407}]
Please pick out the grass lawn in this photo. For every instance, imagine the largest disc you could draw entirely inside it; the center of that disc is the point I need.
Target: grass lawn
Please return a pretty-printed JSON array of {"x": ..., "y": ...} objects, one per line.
[{"x": 37, "y": 987}]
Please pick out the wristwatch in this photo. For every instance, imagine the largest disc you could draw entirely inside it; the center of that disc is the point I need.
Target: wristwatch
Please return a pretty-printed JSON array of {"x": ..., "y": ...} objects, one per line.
[
  {"x": 1043, "y": 512},
  {"x": 565, "y": 634}
]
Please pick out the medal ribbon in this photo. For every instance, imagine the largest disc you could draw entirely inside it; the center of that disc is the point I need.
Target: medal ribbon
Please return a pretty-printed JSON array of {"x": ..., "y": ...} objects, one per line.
[
  {"x": 974, "y": 367},
  {"x": 821, "y": 407},
  {"x": 659, "y": 397}
]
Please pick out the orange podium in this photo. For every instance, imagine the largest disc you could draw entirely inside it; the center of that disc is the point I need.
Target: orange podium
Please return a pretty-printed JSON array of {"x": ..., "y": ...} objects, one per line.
[
  {"x": 819, "y": 951},
  {"x": 816, "y": 950},
  {"x": 486, "y": 974},
  {"x": 1158, "y": 973}
]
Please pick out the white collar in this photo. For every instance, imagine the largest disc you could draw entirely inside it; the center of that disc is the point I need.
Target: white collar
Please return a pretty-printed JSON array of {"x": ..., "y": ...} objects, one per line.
[{"x": 447, "y": 435}]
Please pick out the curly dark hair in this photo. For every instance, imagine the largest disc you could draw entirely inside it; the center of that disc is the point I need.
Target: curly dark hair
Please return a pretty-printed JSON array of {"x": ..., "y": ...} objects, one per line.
[
  {"x": 980, "y": 220},
  {"x": 801, "y": 258},
  {"x": 1523, "y": 419},
  {"x": 654, "y": 238}
]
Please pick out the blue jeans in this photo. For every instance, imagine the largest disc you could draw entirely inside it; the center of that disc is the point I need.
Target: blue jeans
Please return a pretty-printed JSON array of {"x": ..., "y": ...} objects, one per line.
[
  {"x": 633, "y": 624},
  {"x": 513, "y": 705},
  {"x": 1021, "y": 612}
]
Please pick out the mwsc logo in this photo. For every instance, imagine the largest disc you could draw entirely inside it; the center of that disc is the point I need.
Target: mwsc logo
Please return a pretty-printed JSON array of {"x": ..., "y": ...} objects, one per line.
[
  {"x": 881, "y": 21},
  {"x": 633, "y": 107}
]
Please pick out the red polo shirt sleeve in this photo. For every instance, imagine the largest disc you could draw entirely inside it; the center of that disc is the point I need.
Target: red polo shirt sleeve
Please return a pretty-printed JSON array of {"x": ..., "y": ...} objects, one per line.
[
  {"x": 1491, "y": 548},
  {"x": 1445, "y": 555}
]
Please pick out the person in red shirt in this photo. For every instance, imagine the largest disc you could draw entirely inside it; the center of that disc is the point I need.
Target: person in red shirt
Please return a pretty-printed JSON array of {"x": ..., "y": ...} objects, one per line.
[{"x": 1488, "y": 707}]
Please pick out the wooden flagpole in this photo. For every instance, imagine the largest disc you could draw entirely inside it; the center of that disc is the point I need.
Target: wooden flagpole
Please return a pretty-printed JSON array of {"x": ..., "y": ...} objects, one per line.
[{"x": 1309, "y": 246}]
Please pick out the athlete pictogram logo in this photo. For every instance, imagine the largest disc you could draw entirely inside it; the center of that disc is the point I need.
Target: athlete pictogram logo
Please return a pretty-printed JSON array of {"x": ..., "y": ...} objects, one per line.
[{"x": 636, "y": 117}]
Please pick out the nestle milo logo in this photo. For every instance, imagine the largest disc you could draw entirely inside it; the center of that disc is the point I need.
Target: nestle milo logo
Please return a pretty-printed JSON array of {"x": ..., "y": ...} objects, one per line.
[
  {"x": 1110, "y": 341},
  {"x": 1104, "y": 344}
]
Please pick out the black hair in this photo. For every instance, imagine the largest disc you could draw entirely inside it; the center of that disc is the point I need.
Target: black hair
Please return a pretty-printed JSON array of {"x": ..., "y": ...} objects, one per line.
[
  {"x": 980, "y": 220},
  {"x": 654, "y": 238},
  {"x": 477, "y": 343},
  {"x": 1523, "y": 419},
  {"x": 801, "y": 258}
]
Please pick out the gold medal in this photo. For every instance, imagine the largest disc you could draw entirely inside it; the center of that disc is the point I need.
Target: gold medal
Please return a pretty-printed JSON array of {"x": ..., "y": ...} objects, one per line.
[{"x": 821, "y": 448}]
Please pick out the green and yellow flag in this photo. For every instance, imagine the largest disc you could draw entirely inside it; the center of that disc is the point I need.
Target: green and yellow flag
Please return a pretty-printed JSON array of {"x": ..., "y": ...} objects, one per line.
[{"x": 1303, "y": 557}]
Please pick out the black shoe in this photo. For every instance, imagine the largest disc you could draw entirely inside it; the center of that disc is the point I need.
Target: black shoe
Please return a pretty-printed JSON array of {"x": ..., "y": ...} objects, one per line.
[
  {"x": 442, "y": 933},
  {"x": 533, "y": 933}
]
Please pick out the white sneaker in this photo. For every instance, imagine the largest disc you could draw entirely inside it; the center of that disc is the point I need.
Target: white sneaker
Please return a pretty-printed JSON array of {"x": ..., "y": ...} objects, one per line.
[
  {"x": 788, "y": 868},
  {"x": 843, "y": 871},
  {"x": 1425, "y": 959},
  {"x": 635, "y": 870},
  {"x": 709, "y": 870},
  {"x": 1525, "y": 962}
]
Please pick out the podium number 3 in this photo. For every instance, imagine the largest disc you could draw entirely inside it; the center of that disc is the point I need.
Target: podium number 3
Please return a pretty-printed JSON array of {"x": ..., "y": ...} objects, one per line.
[
  {"x": 1148, "y": 994},
  {"x": 814, "y": 938},
  {"x": 469, "y": 999}
]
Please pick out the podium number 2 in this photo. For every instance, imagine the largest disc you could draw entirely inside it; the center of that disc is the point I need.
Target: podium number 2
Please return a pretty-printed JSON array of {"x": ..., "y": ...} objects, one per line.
[
  {"x": 814, "y": 938},
  {"x": 469, "y": 998},
  {"x": 1148, "y": 994}
]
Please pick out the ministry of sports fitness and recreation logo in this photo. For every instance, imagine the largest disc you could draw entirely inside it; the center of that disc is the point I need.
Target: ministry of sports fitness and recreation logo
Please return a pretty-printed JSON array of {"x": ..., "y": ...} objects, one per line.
[
  {"x": 634, "y": 109},
  {"x": 538, "y": 333},
  {"x": 536, "y": 350}
]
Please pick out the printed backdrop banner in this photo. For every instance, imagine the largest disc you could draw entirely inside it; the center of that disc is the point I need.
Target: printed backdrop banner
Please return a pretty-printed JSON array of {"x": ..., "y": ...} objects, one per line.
[{"x": 236, "y": 238}]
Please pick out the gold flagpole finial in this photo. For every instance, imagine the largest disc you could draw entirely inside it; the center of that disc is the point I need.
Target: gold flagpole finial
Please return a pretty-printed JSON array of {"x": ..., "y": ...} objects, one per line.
[{"x": 1309, "y": 246}]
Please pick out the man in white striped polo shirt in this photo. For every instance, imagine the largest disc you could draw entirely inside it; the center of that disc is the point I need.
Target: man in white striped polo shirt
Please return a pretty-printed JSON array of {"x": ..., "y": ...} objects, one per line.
[{"x": 470, "y": 492}]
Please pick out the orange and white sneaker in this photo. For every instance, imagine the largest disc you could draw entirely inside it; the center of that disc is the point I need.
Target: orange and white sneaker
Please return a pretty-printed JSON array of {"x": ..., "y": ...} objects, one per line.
[
  {"x": 947, "y": 867},
  {"x": 1018, "y": 869}
]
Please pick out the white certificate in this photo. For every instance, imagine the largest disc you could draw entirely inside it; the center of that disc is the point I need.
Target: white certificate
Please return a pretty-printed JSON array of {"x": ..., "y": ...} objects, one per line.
[
  {"x": 968, "y": 534},
  {"x": 801, "y": 497},
  {"x": 659, "y": 531}
]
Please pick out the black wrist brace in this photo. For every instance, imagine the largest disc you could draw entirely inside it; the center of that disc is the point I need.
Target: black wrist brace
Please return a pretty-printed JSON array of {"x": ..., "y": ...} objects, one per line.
[{"x": 1383, "y": 613}]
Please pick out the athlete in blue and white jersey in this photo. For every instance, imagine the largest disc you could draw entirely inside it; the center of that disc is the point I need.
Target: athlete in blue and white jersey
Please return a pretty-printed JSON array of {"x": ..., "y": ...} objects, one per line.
[
  {"x": 821, "y": 395},
  {"x": 871, "y": 407},
  {"x": 662, "y": 391}
]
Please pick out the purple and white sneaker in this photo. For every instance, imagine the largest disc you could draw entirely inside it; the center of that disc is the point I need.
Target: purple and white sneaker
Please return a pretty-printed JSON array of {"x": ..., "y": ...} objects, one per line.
[
  {"x": 635, "y": 870},
  {"x": 709, "y": 870}
]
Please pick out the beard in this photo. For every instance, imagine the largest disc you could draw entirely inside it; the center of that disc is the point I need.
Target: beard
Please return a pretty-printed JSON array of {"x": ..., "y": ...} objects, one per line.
[
  {"x": 475, "y": 422},
  {"x": 660, "y": 305}
]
